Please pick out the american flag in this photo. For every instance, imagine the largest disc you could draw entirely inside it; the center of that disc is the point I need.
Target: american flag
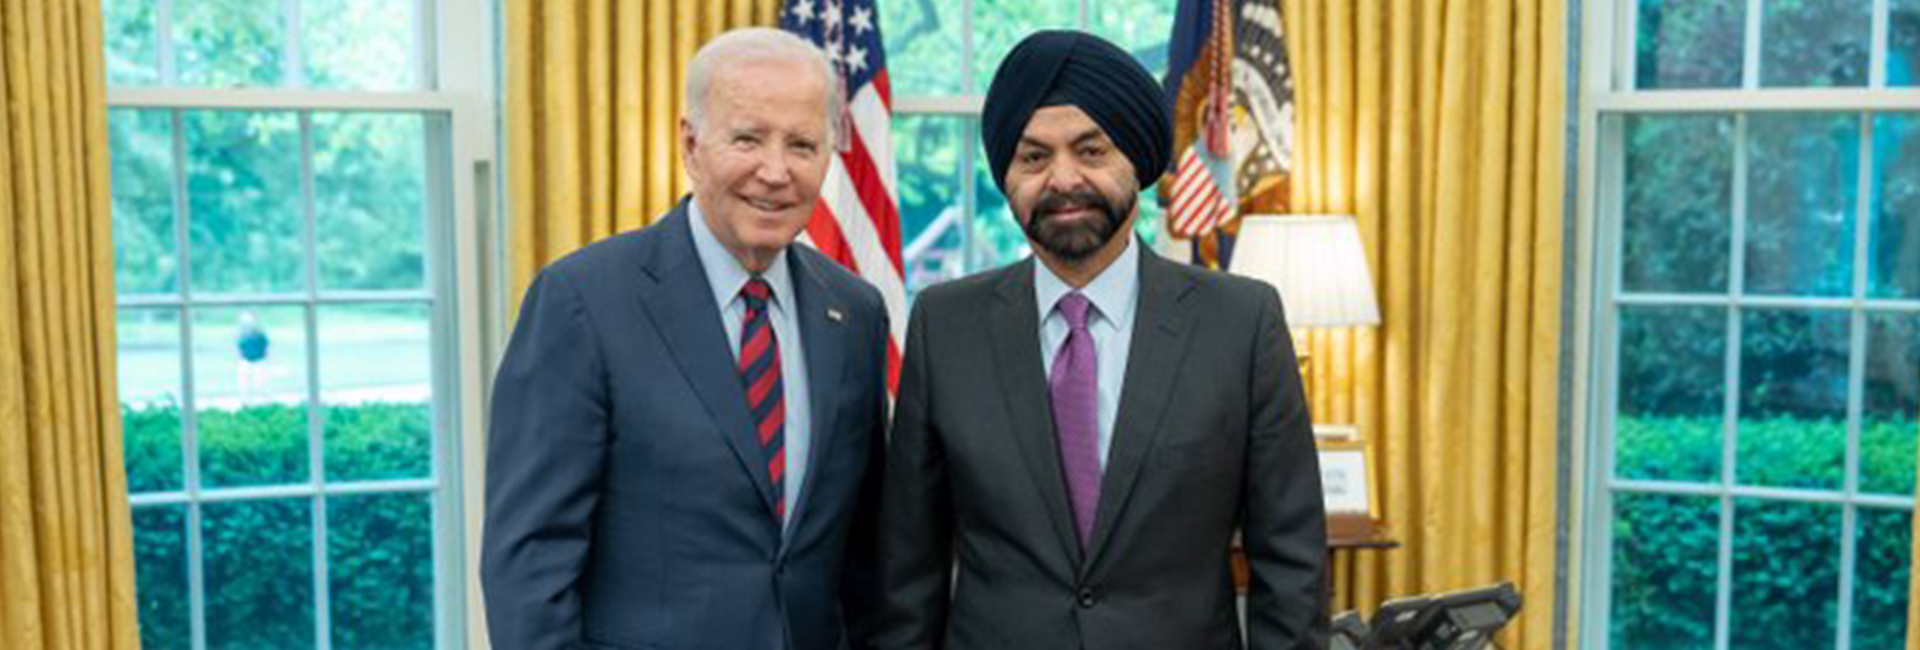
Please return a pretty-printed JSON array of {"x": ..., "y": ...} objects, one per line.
[{"x": 857, "y": 219}]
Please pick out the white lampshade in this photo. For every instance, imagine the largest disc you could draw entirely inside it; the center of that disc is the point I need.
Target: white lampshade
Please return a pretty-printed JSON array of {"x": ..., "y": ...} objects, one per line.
[{"x": 1317, "y": 264}]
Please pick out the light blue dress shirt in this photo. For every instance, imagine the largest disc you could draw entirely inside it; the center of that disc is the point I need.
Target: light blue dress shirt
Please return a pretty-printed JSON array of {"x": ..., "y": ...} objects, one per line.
[
  {"x": 1114, "y": 294},
  {"x": 725, "y": 277}
]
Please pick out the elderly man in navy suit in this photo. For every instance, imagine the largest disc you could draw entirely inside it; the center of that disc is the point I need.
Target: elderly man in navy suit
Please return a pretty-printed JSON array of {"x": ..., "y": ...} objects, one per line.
[{"x": 686, "y": 426}]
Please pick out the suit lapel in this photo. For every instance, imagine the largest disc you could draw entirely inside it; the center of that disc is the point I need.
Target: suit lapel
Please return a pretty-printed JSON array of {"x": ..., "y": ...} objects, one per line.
[
  {"x": 1160, "y": 337},
  {"x": 681, "y": 308},
  {"x": 825, "y": 341},
  {"x": 1016, "y": 352}
]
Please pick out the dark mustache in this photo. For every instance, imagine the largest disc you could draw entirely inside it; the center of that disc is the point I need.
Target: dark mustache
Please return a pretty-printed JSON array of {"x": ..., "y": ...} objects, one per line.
[{"x": 1052, "y": 202}]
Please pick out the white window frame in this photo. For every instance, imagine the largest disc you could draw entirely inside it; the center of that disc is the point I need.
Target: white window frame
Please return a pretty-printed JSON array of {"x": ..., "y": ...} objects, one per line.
[
  {"x": 465, "y": 292},
  {"x": 1607, "y": 68}
]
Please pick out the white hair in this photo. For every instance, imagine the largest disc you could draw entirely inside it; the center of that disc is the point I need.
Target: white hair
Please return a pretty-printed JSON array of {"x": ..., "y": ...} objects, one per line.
[{"x": 756, "y": 44}]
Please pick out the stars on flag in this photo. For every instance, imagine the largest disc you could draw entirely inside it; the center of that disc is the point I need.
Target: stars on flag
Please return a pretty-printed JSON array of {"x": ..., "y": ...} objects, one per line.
[{"x": 862, "y": 20}]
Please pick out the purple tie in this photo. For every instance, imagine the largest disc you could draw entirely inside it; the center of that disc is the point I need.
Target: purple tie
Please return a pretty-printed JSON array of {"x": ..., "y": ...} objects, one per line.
[{"x": 1075, "y": 392}]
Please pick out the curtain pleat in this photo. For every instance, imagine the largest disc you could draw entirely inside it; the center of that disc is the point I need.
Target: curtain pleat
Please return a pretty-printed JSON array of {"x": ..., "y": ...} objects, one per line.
[{"x": 66, "y": 539}]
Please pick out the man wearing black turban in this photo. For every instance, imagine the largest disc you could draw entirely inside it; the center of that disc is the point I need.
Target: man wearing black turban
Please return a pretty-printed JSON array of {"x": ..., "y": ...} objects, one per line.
[{"x": 1079, "y": 435}]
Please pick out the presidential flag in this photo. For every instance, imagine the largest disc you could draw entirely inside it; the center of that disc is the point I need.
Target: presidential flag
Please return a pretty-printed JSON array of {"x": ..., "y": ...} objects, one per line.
[
  {"x": 857, "y": 219},
  {"x": 1233, "y": 119}
]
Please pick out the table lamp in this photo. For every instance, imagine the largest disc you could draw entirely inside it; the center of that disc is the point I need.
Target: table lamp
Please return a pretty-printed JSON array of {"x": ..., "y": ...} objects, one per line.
[{"x": 1317, "y": 263}]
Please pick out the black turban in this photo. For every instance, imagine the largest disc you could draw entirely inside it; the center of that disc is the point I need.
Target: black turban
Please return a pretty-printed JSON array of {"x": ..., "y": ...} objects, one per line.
[{"x": 1058, "y": 67}]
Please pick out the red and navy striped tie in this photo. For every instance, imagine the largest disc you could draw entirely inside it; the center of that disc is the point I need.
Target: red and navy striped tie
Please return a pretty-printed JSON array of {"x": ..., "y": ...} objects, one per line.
[{"x": 760, "y": 370}]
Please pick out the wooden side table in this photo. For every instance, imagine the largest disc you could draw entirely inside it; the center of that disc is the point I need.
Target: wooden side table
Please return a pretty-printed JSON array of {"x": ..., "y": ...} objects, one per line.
[{"x": 1374, "y": 538}]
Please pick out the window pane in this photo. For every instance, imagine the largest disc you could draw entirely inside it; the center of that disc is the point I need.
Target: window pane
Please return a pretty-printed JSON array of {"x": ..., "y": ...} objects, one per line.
[
  {"x": 1815, "y": 42},
  {"x": 1891, "y": 404},
  {"x": 1893, "y": 249},
  {"x": 359, "y": 44},
  {"x": 927, "y": 151},
  {"x": 149, "y": 374},
  {"x": 243, "y": 192},
  {"x": 1786, "y": 574},
  {"x": 380, "y": 561},
  {"x": 1690, "y": 44},
  {"x": 369, "y": 179},
  {"x": 1665, "y": 571},
  {"x": 1802, "y": 188},
  {"x": 132, "y": 56},
  {"x": 1882, "y": 565},
  {"x": 1150, "y": 224},
  {"x": 999, "y": 24},
  {"x": 997, "y": 238},
  {"x": 1672, "y": 393},
  {"x": 376, "y": 378},
  {"x": 1793, "y": 398},
  {"x": 1903, "y": 42},
  {"x": 228, "y": 43},
  {"x": 145, "y": 255},
  {"x": 250, "y": 382},
  {"x": 160, "y": 570},
  {"x": 1679, "y": 202},
  {"x": 923, "y": 48},
  {"x": 258, "y": 557},
  {"x": 1141, "y": 27}
]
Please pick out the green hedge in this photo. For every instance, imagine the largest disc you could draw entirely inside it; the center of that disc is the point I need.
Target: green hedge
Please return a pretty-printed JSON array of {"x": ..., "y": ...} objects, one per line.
[
  {"x": 267, "y": 445},
  {"x": 258, "y": 555},
  {"x": 1786, "y": 555}
]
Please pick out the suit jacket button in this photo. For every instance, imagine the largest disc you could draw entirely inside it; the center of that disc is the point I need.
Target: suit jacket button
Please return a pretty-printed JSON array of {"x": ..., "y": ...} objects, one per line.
[{"x": 1088, "y": 598}]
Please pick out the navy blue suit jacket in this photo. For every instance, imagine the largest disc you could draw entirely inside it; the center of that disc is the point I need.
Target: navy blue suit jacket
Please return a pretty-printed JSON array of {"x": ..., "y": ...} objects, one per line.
[{"x": 628, "y": 502}]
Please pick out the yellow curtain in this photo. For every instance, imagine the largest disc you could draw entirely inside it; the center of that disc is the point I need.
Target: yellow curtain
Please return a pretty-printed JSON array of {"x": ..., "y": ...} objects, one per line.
[
  {"x": 594, "y": 92},
  {"x": 1440, "y": 124},
  {"x": 66, "y": 538},
  {"x": 1913, "y": 581}
]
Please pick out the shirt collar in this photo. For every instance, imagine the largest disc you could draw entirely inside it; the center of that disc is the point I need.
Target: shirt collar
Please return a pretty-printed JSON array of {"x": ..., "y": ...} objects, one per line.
[
  {"x": 725, "y": 275},
  {"x": 1112, "y": 292}
]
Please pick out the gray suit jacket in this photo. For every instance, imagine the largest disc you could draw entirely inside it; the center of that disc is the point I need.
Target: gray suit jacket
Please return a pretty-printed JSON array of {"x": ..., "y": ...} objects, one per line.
[
  {"x": 628, "y": 502},
  {"x": 1212, "y": 437}
]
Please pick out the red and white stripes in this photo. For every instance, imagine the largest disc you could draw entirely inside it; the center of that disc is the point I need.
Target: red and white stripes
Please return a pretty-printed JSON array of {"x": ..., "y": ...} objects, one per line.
[{"x": 856, "y": 221}]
